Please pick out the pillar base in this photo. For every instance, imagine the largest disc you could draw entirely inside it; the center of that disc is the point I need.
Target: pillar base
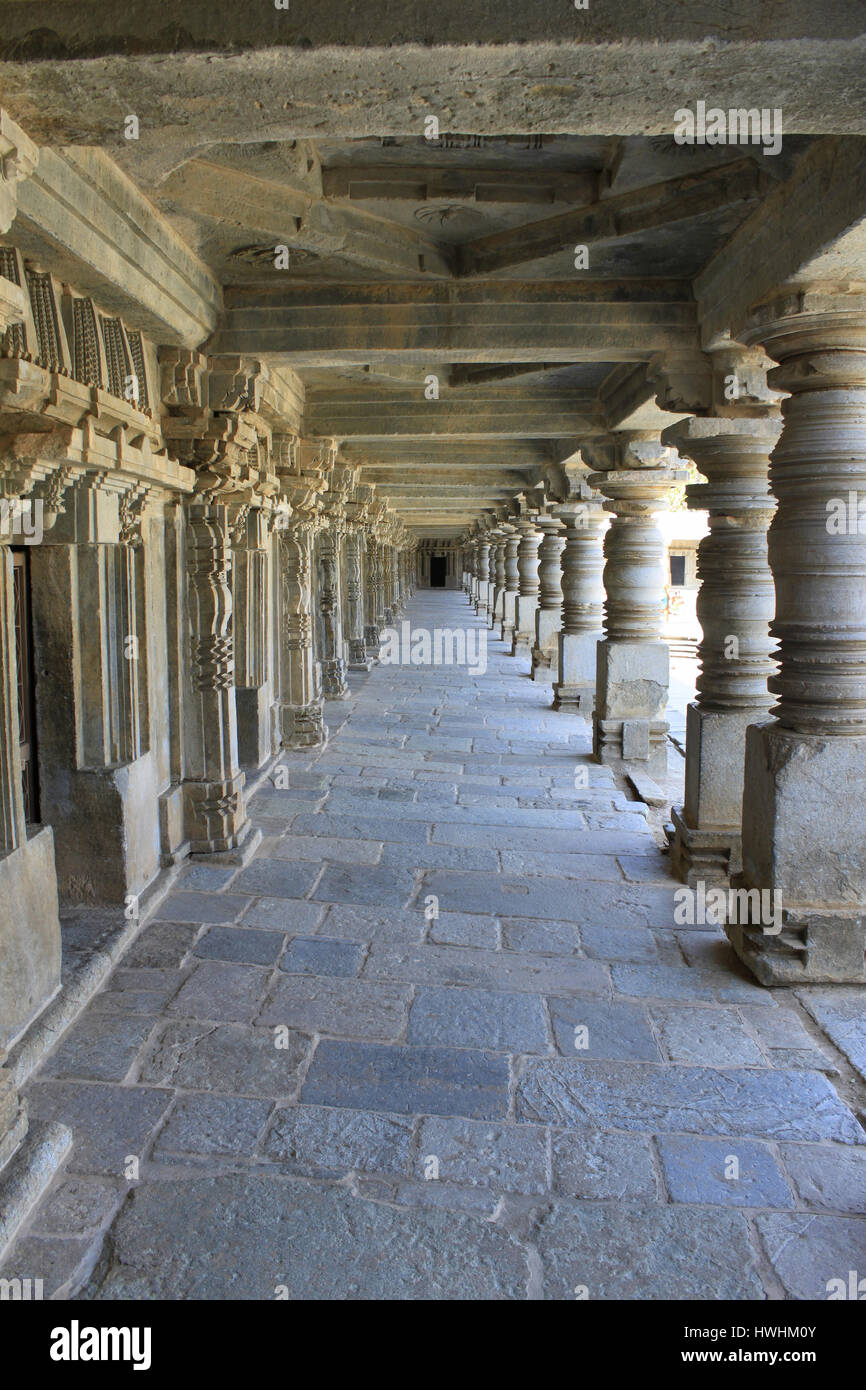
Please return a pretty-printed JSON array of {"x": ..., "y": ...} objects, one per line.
[
  {"x": 632, "y": 741},
  {"x": 215, "y": 815},
  {"x": 521, "y": 643},
  {"x": 704, "y": 856},
  {"x": 574, "y": 699},
  {"x": 804, "y": 839},
  {"x": 334, "y": 680},
  {"x": 302, "y": 726},
  {"x": 543, "y": 667},
  {"x": 371, "y": 642},
  {"x": 814, "y": 949},
  {"x": 29, "y": 933},
  {"x": 358, "y": 658}
]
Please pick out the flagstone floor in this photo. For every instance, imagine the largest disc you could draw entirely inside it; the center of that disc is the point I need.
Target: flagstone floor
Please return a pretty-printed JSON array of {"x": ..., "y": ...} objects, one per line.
[{"x": 441, "y": 1039}]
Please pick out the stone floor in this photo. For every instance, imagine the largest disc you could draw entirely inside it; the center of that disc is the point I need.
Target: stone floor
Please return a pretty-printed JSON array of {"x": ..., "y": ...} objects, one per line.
[{"x": 441, "y": 1039}]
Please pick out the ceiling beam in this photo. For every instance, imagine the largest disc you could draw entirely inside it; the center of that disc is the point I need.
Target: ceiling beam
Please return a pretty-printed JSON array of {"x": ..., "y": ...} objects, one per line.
[
  {"x": 420, "y": 183},
  {"x": 620, "y": 215}
]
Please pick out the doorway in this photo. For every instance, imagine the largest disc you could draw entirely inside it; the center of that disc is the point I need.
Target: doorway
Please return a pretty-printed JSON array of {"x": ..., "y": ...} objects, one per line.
[{"x": 438, "y": 571}]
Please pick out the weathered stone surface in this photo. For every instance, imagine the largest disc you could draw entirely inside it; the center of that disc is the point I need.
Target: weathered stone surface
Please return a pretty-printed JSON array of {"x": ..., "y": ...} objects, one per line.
[
  {"x": 660, "y": 1253},
  {"x": 639, "y": 1096},
  {"x": 454, "y": 965},
  {"x": 226, "y": 1057},
  {"x": 507, "y": 1158},
  {"x": 345, "y": 1007},
  {"x": 241, "y": 945},
  {"x": 255, "y": 1235},
  {"x": 827, "y": 1177},
  {"x": 212, "y": 1125},
  {"x": 323, "y": 1141},
  {"x": 108, "y": 1123},
  {"x": 707, "y": 1037},
  {"x": 408, "y": 1080},
  {"x": 842, "y": 1015},
  {"x": 99, "y": 1048},
  {"x": 219, "y": 990},
  {"x": 812, "y": 1255},
  {"x": 722, "y": 1172},
  {"x": 596, "y": 1166},
  {"x": 589, "y": 1028},
  {"x": 318, "y": 955},
  {"x": 479, "y": 1018}
]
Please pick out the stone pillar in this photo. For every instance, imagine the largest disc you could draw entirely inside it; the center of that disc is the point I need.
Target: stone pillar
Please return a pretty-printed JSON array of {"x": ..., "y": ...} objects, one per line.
[
  {"x": 298, "y": 711},
  {"x": 512, "y": 585},
  {"x": 804, "y": 828},
  {"x": 372, "y": 625},
  {"x": 388, "y": 583},
  {"x": 213, "y": 789},
  {"x": 498, "y": 608},
  {"x": 633, "y": 668},
  {"x": 548, "y": 615},
  {"x": 734, "y": 607},
  {"x": 358, "y": 658},
  {"x": 330, "y": 610},
  {"x": 29, "y": 920},
  {"x": 250, "y": 615},
  {"x": 481, "y": 603},
  {"x": 382, "y": 617},
  {"x": 582, "y": 605},
  {"x": 527, "y": 597}
]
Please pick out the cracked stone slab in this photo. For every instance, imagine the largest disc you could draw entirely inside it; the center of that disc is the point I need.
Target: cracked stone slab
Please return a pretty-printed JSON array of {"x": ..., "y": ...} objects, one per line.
[
  {"x": 694, "y": 1100},
  {"x": 507, "y": 1158},
  {"x": 323, "y": 1141},
  {"x": 225, "y": 1057},
  {"x": 813, "y": 1256},
  {"x": 245, "y": 1237}
]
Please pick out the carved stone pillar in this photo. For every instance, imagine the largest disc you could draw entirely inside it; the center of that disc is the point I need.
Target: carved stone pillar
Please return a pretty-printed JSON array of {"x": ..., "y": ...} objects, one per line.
[
  {"x": 497, "y": 607},
  {"x": 373, "y": 624},
  {"x": 582, "y": 563},
  {"x": 512, "y": 584},
  {"x": 548, "y": 616},
  {"x": 298, "y": 711},
  {"x": 251, "y": 608},
  {"x": 527, "y": 598},
  {"x": 633, "y": 669},
  {"x": 804, "y": 828},
  {"x": 358, "y": 658},
  {"x": 214, "y": 804},
  {"x": 330, "y": 616},
  {"x": 734, "y": 607},
  {"x": 481, "y": 601}
]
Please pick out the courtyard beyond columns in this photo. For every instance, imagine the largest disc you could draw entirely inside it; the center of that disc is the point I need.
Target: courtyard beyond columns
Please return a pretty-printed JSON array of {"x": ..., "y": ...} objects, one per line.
[{"x": 442, "y": 1037}]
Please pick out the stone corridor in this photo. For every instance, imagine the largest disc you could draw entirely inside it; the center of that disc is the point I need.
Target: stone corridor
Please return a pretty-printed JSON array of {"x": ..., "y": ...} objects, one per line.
[{"x": 441, "y": 1038}]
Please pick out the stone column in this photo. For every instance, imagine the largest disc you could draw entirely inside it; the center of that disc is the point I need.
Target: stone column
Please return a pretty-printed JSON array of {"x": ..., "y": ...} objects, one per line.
[
  {"x": 512, "y": 584},
  {"x": 498, "y": 607},
  {"x": 358, "y": 658},
  {"x": 804, "y": 828},
  {"x": 582, "y": 563},
  {"x": 250, "y": 616},
  {"x": 372, "y": 625},
  {"x": 330, "y": 610},
  {"x": 388, "y": 583},
  {"x": 483, "y": 576},
  {"x": 527, "y": 597},
  {"x": 734, "y": 607},
  {"x": 548, "y": 615},
  {"x": 213, "y": 788},
  {"x": 633, "y": 669},
  {"x": 298, "y": 711}
]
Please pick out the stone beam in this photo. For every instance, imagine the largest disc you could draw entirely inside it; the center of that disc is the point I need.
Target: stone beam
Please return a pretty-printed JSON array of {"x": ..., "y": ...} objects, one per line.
[
  {"x": 417, "y": 183},
  {"x": 811, "y": 227},
  {"x": 82, "y": 216},
  {"x": 290, "y": 214},
  {"x": 402, "y": 455},
  {"x": 504, "y": 414},
  {"x": 489, "y": 322},
  {"x": 620, "y": 215}
]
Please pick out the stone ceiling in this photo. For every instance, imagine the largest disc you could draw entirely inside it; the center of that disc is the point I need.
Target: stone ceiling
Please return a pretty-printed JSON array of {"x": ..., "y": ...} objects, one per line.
[{"x": 431, "y": 303}]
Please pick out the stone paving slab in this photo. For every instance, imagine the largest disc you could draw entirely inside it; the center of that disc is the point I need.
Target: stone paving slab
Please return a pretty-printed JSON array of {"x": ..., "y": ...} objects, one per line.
[{"x": 441, "y": 1038}]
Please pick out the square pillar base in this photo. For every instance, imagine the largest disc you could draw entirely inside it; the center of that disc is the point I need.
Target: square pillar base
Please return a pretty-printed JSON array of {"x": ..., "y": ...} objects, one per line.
[
  {"x": 302, "y": 726},
  {"x": 804, "y": 838},
  {"x": 703, "y": 856},
  {"x": 29, "y": 933}
]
